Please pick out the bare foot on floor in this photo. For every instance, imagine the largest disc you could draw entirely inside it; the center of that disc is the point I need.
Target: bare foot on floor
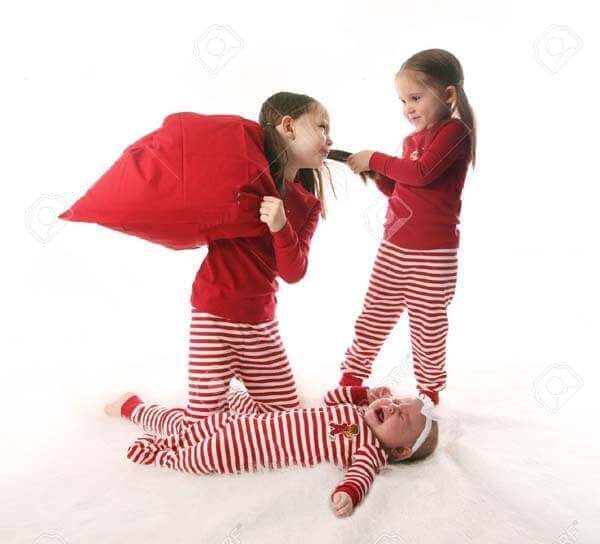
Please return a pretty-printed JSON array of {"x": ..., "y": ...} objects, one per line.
[{"x": 114, "y": 408}]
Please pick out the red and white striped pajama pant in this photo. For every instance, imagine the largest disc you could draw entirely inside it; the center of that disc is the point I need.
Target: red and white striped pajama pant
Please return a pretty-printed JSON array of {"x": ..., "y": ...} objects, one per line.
[
  {"x": 219, "y": 351},
  {"x": 158, "y": 420},
  {"x": 421, "y": 281}
]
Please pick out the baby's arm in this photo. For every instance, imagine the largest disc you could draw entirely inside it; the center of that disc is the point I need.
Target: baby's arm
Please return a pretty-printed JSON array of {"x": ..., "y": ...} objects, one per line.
[
  {"x": 366, "y": 462},
  {"x": 449, "y": 145}
]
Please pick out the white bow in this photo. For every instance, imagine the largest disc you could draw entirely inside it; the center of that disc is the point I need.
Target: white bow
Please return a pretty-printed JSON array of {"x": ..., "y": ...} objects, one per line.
[
  {"x": 430, "y": 413},
  {"x": 429, "y": 409}
]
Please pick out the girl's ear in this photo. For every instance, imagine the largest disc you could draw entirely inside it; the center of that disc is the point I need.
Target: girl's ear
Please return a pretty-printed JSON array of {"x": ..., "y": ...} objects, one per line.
[
  {"x": 451, "y": 96},
  {"x": 287, "y": 127}
]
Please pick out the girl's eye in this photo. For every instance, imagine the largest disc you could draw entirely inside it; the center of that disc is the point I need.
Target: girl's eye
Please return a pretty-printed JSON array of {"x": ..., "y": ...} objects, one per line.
[{"x": 416, "y": 98}]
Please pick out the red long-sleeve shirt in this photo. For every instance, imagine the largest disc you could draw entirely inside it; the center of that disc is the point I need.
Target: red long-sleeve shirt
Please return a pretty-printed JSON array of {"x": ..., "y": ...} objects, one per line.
[
  {"x": 237, "y": 279},
  {"x": 424, "y": 187}
]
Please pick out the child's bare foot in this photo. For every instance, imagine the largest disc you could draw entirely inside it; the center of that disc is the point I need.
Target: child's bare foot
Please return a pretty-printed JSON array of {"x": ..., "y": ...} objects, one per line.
[{"x": 114, "y": 408}]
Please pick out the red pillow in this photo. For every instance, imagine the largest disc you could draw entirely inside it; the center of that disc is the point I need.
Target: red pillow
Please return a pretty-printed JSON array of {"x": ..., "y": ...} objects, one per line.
[{"x": 197, "y": 178}]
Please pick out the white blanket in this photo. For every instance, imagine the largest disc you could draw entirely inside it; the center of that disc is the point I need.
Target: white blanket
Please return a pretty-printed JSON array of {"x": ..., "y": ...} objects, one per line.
[{"x": 506, "y": 471}]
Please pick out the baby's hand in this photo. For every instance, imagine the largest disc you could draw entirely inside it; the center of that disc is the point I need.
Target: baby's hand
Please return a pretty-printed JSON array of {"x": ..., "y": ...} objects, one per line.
[
  {"x": 342, "y": 504},
  {"x": 375, "y": 393}
]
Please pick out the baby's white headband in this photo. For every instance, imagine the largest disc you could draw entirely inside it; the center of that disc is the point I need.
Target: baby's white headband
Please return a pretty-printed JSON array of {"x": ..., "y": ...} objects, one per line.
[{"x": 428, "y": 411}]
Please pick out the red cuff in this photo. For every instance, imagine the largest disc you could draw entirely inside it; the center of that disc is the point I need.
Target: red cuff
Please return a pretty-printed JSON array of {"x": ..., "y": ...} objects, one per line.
[
  {"x": 377, "y": 162},
  {"x": 433, "y": 395},
  {"x": 359, "y": 394},
  {"x": 129, "y": 405},
  {"x": 351, "y": 490},
  {"x": 284, "y": 236},
  {"x": 350, "y": 379}
]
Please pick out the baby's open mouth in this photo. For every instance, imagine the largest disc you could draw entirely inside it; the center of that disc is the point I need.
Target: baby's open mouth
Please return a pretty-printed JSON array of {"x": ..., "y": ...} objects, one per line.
[{"x": 379, "y": 414}]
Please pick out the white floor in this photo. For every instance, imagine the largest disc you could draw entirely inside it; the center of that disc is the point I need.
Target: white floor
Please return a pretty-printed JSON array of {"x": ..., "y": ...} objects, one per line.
[{"x": 507, "y": 471}]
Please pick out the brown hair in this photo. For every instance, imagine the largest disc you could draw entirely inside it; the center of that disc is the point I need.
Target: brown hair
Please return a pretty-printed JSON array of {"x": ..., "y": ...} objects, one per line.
[
  {"x": 440, "y": 68},
  {"x": 426, "y": 448},
  {"x": 271, "y": 112}
]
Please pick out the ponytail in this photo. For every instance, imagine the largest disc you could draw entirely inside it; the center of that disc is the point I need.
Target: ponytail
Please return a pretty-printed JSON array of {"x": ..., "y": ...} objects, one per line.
[{"x": 466, "y": 114}]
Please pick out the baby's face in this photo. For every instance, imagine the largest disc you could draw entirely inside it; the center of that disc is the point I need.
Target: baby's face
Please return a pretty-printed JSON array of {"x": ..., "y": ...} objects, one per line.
[{"x": 396, "y": 422}]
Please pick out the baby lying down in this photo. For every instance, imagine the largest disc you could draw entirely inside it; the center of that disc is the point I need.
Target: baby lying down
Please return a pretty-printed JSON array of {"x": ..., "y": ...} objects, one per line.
[{"x": 360, "y": 429}]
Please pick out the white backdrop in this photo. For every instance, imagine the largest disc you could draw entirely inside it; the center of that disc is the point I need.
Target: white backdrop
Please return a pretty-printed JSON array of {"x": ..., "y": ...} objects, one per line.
[{"x": 89, "y": 313}]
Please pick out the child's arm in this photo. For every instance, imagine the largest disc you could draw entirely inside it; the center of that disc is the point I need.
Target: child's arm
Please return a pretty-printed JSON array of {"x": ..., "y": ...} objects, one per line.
[
  {"x": 355, "y": 394},
  {"x": 366, "y": 463},
  {"x": 385, "y": 184},
  {"x": 291, "y": 248},
  {"x": 450, "y": 144},
  {"x": 358, "y": 395}
]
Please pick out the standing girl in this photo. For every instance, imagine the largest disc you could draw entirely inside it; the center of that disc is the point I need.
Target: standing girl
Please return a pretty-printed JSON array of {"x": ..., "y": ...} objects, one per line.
[
  {"x": 234, "y": 331},
  {"x": 416, "y": 264}
]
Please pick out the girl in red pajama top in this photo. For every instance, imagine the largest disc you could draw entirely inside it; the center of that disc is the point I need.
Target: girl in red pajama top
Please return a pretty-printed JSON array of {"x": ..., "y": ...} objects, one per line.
[
  {"x": 234, "y": 331},
  {"x": 237, "y": 279},
  {"x": 416, "y": 264}
]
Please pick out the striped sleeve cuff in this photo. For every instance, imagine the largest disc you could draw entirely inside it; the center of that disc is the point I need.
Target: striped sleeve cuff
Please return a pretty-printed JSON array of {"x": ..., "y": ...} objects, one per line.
[
  {"x": 129, "y": 405},
  {"x": 350, "y": 379},
  {"x": 351, "y": 490}
]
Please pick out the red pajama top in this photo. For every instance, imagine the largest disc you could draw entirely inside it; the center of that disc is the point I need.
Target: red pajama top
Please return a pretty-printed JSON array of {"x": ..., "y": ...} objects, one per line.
[
  {"x": 237, "y": 279},
  {"x": 424, "y": 186},
  {"x": 231, "y": 442}
]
